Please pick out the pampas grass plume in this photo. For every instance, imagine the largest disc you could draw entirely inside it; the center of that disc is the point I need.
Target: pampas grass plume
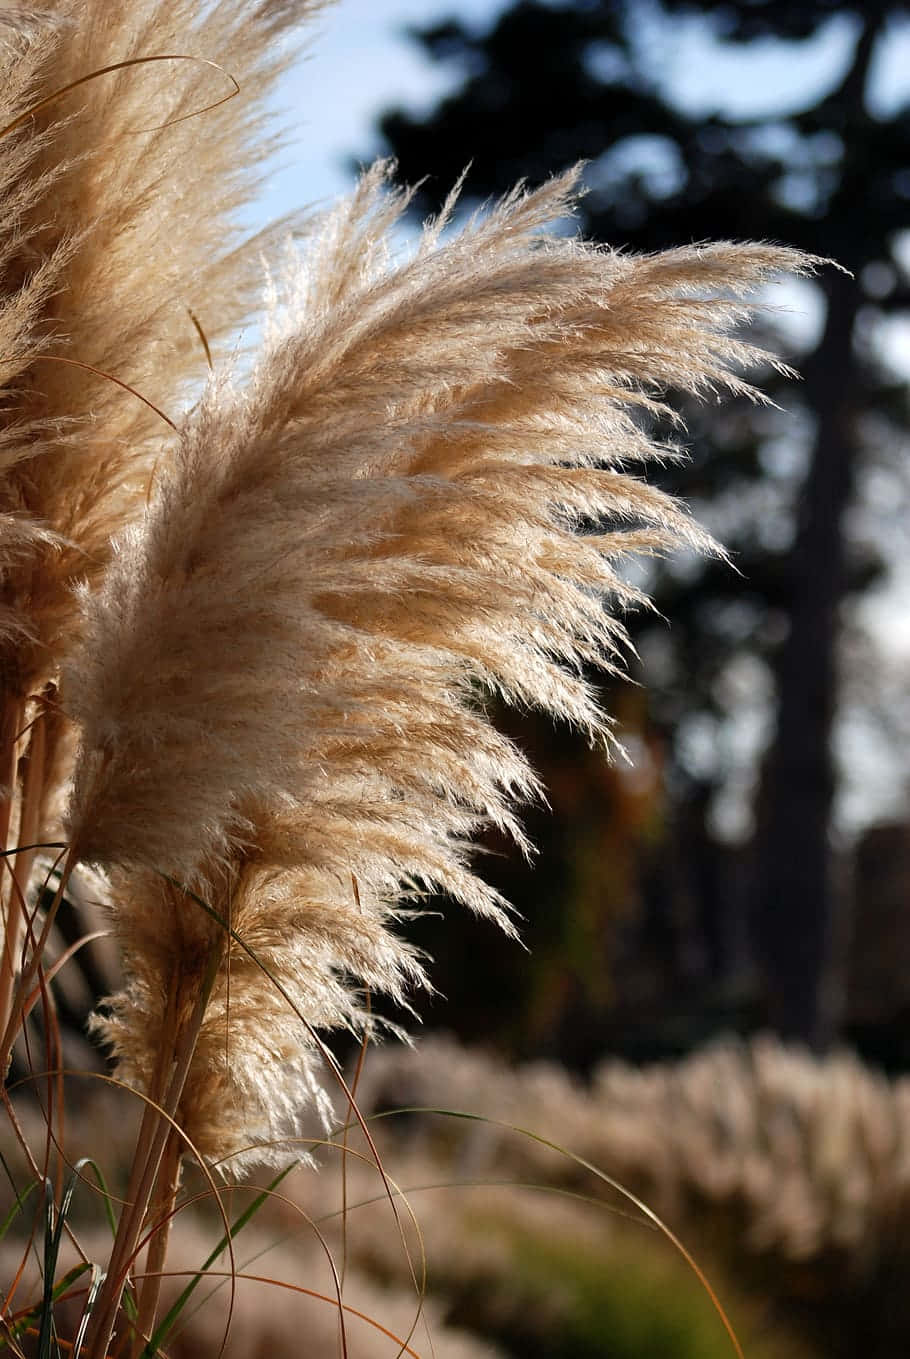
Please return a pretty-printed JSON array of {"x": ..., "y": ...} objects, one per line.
[
  {"x": 420, "y": 496},
  {"x": 119, "y": 223}
]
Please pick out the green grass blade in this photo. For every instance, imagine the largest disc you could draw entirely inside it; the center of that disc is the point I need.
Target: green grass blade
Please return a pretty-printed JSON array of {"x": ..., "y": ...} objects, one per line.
[
  {"x": 54, "y": 1223},
  {"x": 97, "y": 1281},
  {"x": 30, "y": 1317},
  {"x": 20, "y": 1200},
  {"x": 105, "y": 1193},
  {"x": 47, "y": 1344},
  {"x": 70, "y": 1277},
  {"x": 128, "y": 1302}
]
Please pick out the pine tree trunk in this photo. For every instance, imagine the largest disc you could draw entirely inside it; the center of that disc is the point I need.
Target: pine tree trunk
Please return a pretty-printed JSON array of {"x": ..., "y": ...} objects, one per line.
[
  {"x": 794, "y": 879},
  {"x": 794, "y": 888}
]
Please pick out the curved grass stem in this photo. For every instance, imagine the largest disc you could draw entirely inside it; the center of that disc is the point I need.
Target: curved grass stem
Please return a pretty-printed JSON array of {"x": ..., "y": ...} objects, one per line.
[{"x": 22, "y": 994}]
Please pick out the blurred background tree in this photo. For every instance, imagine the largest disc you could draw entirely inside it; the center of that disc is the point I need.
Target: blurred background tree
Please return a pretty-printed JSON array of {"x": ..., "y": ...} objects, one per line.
[{"x": 700, "y": 908}]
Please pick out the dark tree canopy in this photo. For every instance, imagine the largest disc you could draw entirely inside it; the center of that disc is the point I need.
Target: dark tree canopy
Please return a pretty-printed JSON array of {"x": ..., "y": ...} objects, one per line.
[
  {"x": 555, "y": 82},
  {"x": 550, "y": 83}
]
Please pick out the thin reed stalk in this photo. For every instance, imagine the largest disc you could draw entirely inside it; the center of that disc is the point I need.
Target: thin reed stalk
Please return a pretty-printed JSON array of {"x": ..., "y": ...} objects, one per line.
[
  {"x": 10, "y": 723},
  {"x": 158, "y": 1133},
  {"x": 160, "y": 1220}
]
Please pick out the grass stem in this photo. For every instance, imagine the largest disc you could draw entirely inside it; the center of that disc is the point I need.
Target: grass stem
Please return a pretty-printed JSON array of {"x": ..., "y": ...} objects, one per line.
[
  {"x": 10, "y": 722},
  {"x": 158, "y": 1125},
  {"x": 160, "y": 1217}
]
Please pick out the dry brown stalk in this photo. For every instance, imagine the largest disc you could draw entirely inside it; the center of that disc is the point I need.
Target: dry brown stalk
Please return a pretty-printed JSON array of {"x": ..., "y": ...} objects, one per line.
[{"x": 9, "y": 904}]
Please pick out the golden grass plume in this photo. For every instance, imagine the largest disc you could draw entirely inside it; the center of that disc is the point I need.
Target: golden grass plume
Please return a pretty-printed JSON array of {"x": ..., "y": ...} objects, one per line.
[
  {"x": 421, "y": 495},
  {"x": 120, "y": 179}
]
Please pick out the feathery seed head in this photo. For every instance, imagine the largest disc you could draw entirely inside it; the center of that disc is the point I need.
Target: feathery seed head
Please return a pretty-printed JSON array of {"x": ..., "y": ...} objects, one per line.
[
  {"x": 420, "y": 497},
  {"x": 105, "y": 259}
]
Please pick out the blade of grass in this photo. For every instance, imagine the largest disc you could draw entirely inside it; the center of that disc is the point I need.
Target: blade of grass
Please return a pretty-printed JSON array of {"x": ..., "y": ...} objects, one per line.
[
  {"x": 97, "y": 1280},
  {"x": 105, "y": 1193},
  {"x": 47, "y": 1348},
  {"x": 21, "y": 1322},
  {"x": 20, "y": 1198},
  {"x": 54, "y": 1222}
]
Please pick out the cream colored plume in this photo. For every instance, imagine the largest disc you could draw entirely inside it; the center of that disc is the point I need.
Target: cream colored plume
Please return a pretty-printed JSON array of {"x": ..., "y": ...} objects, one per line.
[
  {"x": 131, "y": 133},
  {"x": 419, "y": 498},
  {"x": 119, "y": 190}
]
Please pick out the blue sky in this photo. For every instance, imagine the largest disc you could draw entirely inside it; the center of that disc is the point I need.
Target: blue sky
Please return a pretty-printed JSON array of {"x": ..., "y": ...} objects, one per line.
[{"x": 359, "y": 62}]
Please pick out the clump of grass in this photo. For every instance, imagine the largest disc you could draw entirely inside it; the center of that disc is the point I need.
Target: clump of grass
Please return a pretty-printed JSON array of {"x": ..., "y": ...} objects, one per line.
[{"x": 247, "y": 646}]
